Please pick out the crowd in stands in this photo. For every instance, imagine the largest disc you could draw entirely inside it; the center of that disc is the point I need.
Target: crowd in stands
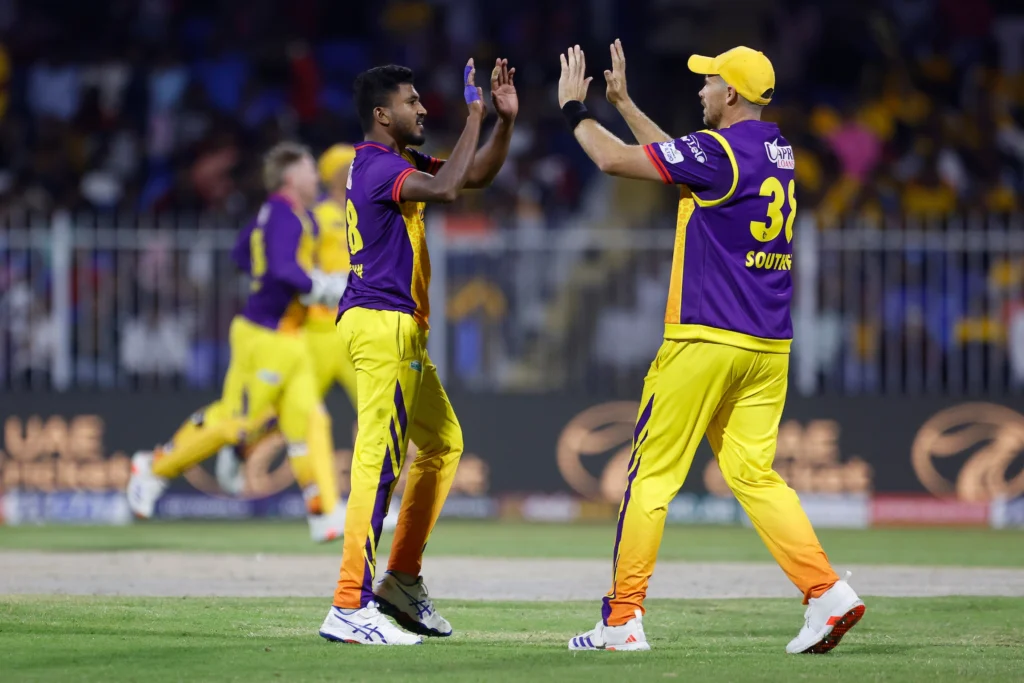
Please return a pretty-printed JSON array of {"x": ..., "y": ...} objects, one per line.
[
  {"x": 900, "y": 111},
  {"x": 896, "y": 106}
]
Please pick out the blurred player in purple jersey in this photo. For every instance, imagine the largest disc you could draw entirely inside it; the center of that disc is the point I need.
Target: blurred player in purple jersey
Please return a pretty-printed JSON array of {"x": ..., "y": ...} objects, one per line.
[
  {"x": 383, "y": 322},
  {"x": 722, "y": 368},
  {"x": 271, "y": 372}
]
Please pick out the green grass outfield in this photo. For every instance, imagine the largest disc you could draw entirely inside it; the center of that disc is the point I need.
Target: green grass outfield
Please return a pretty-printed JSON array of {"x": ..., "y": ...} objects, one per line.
[
  {"x": 60, "y": 638},
  {"x": 922, "y": 546},
  {"x": 152, "y": 640}
]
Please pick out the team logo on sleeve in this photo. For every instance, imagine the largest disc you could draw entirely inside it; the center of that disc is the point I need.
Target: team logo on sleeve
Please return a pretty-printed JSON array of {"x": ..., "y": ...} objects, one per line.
[
  {"x": 669, "y": 151},
  {"x": 695, "y": 148},
  {"x": 780, "y": 155}
]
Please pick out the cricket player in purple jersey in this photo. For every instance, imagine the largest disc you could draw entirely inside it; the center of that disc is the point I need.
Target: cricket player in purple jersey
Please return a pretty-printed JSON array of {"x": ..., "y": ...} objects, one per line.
[
  {"x": 722, "y": 368},
  {"x": 271, "y": 372},
  {"x": 383, "y": 321}
]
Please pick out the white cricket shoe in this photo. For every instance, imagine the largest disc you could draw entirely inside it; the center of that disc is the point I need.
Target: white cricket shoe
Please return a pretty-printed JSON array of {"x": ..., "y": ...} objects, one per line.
[
  {"x": 827, "y": 619},
  {"x": 144, "y": 487},
  {"x": 366, "y": 626},
  {"x": 229, "y": 472},
  {"x": 326, "y": 528},
  {"x": 629, "y": 637},
  {"x": 410, "y": 605}
]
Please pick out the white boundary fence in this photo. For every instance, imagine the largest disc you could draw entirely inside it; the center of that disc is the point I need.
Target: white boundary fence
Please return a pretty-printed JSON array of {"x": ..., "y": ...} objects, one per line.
[{"x": 909, "y": 309}]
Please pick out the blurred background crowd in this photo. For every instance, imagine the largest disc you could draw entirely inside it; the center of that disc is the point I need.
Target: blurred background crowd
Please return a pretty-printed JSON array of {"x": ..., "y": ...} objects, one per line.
[
  {"x": 153, "y": 105},
  {"x": 154, "y": 113}
]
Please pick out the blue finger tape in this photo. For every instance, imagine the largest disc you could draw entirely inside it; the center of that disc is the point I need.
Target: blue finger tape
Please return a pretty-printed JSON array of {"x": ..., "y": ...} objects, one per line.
[{"x": 470, "y": 92}]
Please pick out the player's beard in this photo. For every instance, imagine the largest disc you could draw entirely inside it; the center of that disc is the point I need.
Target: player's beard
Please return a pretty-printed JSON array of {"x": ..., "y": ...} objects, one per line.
[
  {"x": 710, "y": 119},
  {"x": 412, "y": 136}
]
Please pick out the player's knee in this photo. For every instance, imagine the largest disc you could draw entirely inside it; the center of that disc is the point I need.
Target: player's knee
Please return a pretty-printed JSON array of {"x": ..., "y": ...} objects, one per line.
[
  {"x": 231, "y": 431},
  {"x": 749, "y": 479},
  {"x": 448, "y": 445}
]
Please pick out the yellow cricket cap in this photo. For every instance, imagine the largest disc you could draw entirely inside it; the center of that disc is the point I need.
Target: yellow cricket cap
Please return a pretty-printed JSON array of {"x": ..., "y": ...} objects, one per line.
[
  {"x": 747, "y": 70},
  {"x": 333, "y": 160}
]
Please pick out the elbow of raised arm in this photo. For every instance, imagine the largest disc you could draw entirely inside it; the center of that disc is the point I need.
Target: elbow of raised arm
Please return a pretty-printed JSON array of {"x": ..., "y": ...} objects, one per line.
[
  {"x": 606, "y": 164},
  {"x": 448, "y": 195}
]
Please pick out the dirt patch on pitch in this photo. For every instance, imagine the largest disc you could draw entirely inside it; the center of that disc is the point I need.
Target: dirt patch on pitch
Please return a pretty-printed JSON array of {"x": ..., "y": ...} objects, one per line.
[{"x": 198, "y": 574}]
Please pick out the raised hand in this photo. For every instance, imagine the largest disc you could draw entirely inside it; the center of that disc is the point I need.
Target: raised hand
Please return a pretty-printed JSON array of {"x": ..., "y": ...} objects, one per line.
[
  {"x": 503, "y": 91},
  {"x": 616, "y": 78},
  {"x": 474, "y": 95},
  {"x": 573, "y": 82}
]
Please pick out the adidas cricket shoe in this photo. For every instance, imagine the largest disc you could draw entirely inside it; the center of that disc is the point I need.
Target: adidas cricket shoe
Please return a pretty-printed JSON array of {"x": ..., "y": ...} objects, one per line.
[
  {"x": 827, "y": 619},
  {"x": 230, "y": 476},
  {"x": 326, "y": 528},
  {"x": 144, "y": 487},
  {"x": 410, "y": 605},
  {"x": 366, "y": 626},
  {"x": 629, "y": 637}
]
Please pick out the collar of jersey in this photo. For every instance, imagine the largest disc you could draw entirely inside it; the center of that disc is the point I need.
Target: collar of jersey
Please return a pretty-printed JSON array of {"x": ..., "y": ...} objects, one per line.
[{"x": 371, "y": 143}]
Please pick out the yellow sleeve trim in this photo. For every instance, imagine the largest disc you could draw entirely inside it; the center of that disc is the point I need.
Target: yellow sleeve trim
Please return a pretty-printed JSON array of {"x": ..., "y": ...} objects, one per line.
[
  {"x": 735, "y": 172},
  {"x": 715, "y": 335}
]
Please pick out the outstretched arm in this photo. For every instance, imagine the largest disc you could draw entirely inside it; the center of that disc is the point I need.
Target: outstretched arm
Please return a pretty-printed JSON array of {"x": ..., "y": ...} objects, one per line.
[
  {"x": 445, "y": 186},
  {"x": 491, "y": 156},
  {"x": 644, "y": 129},
  {"x": 611, "y": 154}
]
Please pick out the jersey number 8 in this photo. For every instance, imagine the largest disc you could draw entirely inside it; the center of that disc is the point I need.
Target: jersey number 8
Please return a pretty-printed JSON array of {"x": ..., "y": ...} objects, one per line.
[
  {"x": 355, "y": 240},
  {"x": 766, "y": 232}
]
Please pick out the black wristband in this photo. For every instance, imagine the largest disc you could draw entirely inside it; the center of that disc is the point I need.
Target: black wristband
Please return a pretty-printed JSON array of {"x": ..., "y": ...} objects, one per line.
[{"x": 574, "y": 112}]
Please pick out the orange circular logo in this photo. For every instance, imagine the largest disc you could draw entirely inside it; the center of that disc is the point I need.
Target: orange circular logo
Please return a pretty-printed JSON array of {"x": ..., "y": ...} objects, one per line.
[
  {"x": 991, "y": 439},
  {"x": 597, "y": 432}
]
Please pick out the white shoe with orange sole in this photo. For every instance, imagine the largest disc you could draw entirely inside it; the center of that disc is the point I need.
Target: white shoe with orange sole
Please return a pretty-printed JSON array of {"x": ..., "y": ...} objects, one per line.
[{"x": 827, "y": 619}]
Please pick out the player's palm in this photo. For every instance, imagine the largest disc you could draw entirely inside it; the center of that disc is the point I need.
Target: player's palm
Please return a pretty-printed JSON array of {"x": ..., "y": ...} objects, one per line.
[
  {"x": 616, "y": 78},
  {"x": 573, "y": 82},
  {"x": 503, "y": 90}
]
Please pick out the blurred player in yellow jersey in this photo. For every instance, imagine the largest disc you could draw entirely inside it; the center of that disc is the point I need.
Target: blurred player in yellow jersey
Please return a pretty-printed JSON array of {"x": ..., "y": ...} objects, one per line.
[
  {"x": 271, "y": 382},
  {"x": 331, "y": 254},
  {"x": 331, "y": 362}
]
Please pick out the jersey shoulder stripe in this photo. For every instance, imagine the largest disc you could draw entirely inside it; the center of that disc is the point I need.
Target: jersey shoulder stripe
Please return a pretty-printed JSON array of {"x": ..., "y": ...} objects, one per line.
[{"x": 708, "y": 203}]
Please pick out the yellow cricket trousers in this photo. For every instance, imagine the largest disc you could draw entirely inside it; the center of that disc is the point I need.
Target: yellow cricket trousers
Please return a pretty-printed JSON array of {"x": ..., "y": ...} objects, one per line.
[
  {"x": 736, "y": 397},
  {"x": 399, "y": 397},
  {"x": 270, "y": 374}
]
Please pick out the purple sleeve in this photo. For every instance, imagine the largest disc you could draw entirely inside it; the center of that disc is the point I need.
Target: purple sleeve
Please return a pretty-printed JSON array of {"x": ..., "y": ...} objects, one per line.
[
  {"x": 282, "y": 233},
  {"x": 424, "y": 162},
  {"x": 240, "y": 253},
  {"x": 697, "y": 161},
  {"x": 385, "y": 174}
]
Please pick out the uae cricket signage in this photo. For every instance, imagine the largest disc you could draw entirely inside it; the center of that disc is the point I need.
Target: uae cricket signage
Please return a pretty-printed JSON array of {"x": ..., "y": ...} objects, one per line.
[{"x": 548, "y": 444}]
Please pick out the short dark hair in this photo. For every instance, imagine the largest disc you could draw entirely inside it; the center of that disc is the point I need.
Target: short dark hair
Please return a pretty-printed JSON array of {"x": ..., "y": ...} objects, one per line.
[
  {"x": 374, "y": 86},
  {"x": 278, "y": 160}
]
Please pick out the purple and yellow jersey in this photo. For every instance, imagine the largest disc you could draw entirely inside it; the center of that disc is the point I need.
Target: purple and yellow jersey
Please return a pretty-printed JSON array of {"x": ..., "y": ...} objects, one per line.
[
  {"x": 386, "y": 238},
  {"x": 281, "y": 252},
  {"x": 731, "y": 269}
]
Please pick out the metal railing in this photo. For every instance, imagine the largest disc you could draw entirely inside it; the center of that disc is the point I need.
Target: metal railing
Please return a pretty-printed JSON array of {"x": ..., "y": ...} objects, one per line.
[{"x": 907, "y": 309}]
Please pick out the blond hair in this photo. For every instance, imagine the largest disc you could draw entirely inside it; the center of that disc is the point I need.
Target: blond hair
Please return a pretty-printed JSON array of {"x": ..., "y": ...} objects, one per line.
[{"x": 278, "y": 160}]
